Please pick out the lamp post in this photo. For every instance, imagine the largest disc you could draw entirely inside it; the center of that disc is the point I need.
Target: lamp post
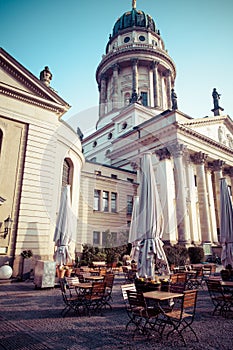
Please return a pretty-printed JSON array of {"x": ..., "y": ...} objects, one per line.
[{"x": 7, "y": 226}]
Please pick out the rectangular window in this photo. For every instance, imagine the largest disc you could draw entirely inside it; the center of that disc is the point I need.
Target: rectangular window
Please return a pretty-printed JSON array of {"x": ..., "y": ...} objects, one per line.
[
  {"x": 96, "y": 238},
  {"x": 104, "y": 239},
  {"x": 97, "y": 200},
  {"x": 129, "y": 205},
  {"x": 195, "y": 180},
  {"x": 113, "y": 202},
  {"x": 144, "y": 98},
  {"x": 105, "y": 201}
]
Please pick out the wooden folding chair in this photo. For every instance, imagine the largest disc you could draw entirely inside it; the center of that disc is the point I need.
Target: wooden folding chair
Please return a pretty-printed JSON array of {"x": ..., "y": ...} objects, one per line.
[
  {"x": 143, "y": 317},
  {"x": 124, "y": 288},
  {"x": 94, "y": 301},
  {"x": 181, "y": 317},
  {"x": 222, "y": 302},
  {"x": 109, "y": 281},
  {"x": 72, "y": 302}
]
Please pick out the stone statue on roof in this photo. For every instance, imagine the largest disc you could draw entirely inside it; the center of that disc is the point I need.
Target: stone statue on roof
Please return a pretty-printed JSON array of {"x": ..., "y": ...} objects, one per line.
[
  {"x": 174, "y": 99},
  {"x": 216, "y": 98},
  {"x": 134, "y": 4},
  {"x": 46, "y": 76}
]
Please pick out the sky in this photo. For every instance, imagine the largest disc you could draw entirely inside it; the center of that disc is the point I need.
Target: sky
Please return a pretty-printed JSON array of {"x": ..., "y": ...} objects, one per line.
[{"x": 70, "y": 37}]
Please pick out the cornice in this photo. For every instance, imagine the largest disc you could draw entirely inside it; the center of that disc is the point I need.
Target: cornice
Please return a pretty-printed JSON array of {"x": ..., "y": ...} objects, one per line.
[
  {"x": 134, "y": 51},
  {"x": 28, "y": 80},
  {"x": 211, "y": 120},
  {"x": 31, "y": 99},
  {"x": 204, "y": 138}
]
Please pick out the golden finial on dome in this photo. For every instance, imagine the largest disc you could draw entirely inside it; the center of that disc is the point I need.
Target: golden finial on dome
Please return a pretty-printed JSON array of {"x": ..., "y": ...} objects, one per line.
[{"x": 134, "y": 4}]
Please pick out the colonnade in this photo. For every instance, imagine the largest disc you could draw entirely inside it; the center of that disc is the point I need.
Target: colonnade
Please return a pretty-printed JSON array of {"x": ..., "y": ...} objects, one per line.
[
  {"x": 159, "y": 87},
  {"x": 190, "y": 191}
]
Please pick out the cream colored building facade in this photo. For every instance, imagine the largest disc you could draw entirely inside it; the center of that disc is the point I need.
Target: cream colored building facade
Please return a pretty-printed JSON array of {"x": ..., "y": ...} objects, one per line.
[
  {"x": 138, "y": 112},
  {"x": 38, "y": 154},
  {"x": 105, "y": 206}
]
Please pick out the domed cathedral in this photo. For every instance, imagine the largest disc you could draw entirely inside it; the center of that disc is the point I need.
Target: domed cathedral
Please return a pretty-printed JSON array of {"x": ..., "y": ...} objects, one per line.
[
  {"x": 135, "y": 68},
  {"x": 135, "y": 77},
  {"x": 138, "y": 112}
]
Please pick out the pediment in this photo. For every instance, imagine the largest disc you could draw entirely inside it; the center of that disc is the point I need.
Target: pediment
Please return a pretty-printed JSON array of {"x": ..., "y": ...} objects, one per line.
[
  {"x": 219, "y": 129},
  {"x": 18, "y": 82}
]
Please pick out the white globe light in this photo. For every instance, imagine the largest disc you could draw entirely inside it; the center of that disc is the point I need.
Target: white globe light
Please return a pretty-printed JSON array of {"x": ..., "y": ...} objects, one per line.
[{"x": 5, "y": 272}]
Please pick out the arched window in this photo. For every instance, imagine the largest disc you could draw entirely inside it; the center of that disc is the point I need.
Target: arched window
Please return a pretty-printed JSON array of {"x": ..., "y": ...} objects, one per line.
[
  {"x": 67, "y": 174},
  {"x": 126, "y": 99}
]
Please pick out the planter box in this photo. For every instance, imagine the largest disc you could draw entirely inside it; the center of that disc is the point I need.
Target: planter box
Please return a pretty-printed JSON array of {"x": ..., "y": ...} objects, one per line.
[{"x": 45, "y": 274}]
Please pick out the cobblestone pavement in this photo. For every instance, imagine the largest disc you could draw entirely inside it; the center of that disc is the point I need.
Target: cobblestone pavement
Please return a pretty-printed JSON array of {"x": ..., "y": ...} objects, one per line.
[{"x": 30, "y": 319}]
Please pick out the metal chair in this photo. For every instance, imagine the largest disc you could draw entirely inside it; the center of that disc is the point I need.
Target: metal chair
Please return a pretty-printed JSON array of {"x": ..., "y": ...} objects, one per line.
[
  {"x": 195, "y": 281},
  {"x": 124, "y": 288},
  {"x": 109, "y": 281},
  {"x": 182, "y": 316},
  {"x": 143, "y": 317},
  {"x": 72, "y": 302},
  {"x": 222, "y": 302},
  {"x": 94, "y": 301}
]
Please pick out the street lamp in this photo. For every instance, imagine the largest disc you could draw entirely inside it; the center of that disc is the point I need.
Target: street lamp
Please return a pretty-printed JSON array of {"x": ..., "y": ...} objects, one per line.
[{"x": 7, "y": 226}]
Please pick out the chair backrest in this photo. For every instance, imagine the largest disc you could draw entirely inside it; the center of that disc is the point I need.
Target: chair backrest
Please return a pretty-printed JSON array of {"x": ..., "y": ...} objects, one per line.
[
  {"x": 177, "y": 287},
  {"x": 124, "y": 288},
  {"x": 181, "y": 277},
  {"x": 72, "y": 281},
  {"x": 98, "y": 289},
  {"x": 190, "y": 299},
  {"x": 187, "y": 307},
  {"x": 214, "y": 287},
  {"x": 66, "y": 292},
  {"x": 206, "y": 272},
  {"x": 136, "y": 300},
  {"x": 81, "y": 277},
  {"x": 109, "y": 280}
]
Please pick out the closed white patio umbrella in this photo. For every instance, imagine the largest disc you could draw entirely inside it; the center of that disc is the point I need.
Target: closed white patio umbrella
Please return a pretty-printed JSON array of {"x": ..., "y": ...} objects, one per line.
[
  {"x": 133, "y": 232},
  {"x": 65, "y": 231},
  {"x": 226, "y": 224},
  {"x": 150, "y": 222}
]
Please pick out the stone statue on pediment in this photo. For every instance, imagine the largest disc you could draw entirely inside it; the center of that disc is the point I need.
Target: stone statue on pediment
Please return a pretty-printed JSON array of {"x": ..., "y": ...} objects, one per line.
[
  {"x": 46, "y": 76},
  {"x": 216, "y": 98},
  {"x": 174, "y": 99}
]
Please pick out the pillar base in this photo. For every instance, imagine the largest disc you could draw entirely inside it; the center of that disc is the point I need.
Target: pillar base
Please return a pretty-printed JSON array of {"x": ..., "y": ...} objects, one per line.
[{"x": 217, "y": 111}]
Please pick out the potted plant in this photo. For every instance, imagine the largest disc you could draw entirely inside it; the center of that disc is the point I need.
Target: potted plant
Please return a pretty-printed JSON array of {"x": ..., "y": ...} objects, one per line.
[{"x": 26, "y": 264}]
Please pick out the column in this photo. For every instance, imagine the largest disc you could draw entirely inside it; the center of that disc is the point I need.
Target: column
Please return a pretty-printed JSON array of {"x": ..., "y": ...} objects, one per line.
[
  {"x": 135, "y": 75},
  {"x": 199, "y": 159},
  {"x": 213, "y": 223},
  {"x": 230, "y": 172},
  {"x": 178, "y": 150},
  {"x": 155, "y": 83},
  {"x": 103, "y": 95},
  {"x": 169, "y": 103},
  {"x": 115, "y": 102},
  {"x": 217, "y": 168},
  {"x": 166, "y": 180},
  {"x": 192, "y": 201}
]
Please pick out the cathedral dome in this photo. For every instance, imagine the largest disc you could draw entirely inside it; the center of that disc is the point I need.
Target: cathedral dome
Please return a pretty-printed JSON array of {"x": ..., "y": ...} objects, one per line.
[{"x": 133, "y": 18}]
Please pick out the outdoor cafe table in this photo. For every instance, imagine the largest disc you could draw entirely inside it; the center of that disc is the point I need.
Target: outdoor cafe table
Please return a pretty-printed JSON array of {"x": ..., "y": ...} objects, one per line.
[
  {"x": 228, "y": 284},
  {"x": 228, "y": 287},
  {"x": 93, "y": 278},
  {"x": 159, "y": 296}
]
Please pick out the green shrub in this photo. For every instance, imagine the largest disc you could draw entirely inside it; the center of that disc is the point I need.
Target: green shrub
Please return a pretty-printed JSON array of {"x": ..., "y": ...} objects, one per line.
[
  {"x": 176, "y": 255},
  {"x": 196, "y": 255}
]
